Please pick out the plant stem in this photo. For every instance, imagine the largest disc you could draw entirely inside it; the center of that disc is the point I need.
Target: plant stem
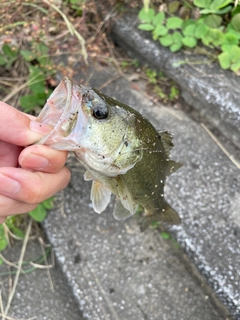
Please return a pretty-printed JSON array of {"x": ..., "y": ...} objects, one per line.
[{"x": 10, "y": 298}]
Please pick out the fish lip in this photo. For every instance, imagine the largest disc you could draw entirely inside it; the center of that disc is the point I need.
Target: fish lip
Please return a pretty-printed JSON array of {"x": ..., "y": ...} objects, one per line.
[{"x": 61, "y": 112}]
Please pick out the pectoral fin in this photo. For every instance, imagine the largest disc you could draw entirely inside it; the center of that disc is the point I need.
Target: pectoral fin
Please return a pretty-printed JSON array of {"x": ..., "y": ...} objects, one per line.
[
  {"x": 87, "y": 176},
  {"x": 100, "y": 196},
  {"x": 125, "y": 196}
]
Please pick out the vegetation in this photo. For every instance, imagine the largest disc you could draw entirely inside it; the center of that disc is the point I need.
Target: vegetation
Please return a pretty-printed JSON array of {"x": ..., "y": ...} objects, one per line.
[
  {"x": 216, "y": 26},
  {"x": 27, "y": 51}
]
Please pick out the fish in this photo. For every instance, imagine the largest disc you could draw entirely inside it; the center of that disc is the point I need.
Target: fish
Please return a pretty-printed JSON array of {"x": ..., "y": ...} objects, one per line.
[{"x": 122, "y": 152}]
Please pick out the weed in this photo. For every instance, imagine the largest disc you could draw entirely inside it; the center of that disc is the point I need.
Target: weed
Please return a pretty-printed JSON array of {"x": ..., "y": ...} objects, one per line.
[
  {"x": 130, "y": 63},
  {"x": 167, "y": 236},
  {"x": 26, "y": 49},
  {"x": 210, "y": 29},
  {"x": 14, "y": 223},
  {"x": 164, "y": 89}
]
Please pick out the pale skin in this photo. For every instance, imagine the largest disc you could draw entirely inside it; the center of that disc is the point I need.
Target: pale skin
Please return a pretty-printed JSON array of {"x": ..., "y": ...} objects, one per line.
[{"x": 28, "y": 175}]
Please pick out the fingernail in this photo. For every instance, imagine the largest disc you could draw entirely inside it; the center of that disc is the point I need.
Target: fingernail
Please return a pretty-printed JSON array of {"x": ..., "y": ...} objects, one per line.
[
  {"x": 8, "y": 185},
  {"x": 34, "y": 161},
  {"x": 40, "y": 128}
]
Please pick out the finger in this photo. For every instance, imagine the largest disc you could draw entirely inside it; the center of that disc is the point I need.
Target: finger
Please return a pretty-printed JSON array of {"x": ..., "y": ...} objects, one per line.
[
  {"x": 9, "y": 154},
  {"x": 10, "y": 206},
  {"x": 31, "y": 186},
  {"x": 17, "y": 128},
  {"x": 42, "y": 158}
]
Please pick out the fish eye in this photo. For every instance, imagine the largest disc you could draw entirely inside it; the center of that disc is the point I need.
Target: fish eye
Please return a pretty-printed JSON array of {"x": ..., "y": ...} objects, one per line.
[{"x": 100, "y": 111}]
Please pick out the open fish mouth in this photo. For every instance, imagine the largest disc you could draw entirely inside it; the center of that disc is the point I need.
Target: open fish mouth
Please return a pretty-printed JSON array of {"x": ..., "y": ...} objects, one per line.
[{"x": 63, "y": 113}]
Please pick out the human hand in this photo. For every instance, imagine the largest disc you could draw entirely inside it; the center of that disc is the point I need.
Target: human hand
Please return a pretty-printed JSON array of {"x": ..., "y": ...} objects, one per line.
[{"x": 28, "y": 175}]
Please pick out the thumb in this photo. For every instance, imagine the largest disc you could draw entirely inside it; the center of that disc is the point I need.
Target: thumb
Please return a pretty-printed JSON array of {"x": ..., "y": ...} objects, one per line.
[{"x": 17, "y": 128}]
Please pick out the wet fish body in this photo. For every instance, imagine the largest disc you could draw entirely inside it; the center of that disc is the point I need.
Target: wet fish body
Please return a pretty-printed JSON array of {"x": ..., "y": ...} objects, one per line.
[{"x": 122, "y": 152}]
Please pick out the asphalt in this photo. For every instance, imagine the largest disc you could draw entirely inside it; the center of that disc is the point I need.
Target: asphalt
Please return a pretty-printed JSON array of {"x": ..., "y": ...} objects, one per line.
[{"x": 108, "y": 269}]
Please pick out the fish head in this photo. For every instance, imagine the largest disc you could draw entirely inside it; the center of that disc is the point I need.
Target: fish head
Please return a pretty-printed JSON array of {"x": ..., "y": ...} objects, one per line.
[{"x": 100, "y": 132}]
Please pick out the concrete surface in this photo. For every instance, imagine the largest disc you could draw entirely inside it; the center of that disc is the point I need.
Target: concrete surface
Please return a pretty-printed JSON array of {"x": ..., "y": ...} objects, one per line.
[
  {"x": 34, "y": 296},
  {"x": 212, "y": 92}
]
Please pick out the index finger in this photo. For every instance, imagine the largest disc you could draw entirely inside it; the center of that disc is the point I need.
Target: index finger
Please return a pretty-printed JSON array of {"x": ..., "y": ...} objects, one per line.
[{"x": 17, "y": 128}]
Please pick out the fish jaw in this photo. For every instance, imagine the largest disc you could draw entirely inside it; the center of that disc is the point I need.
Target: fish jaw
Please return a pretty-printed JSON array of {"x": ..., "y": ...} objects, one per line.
[{"x": 64, "y": 114}]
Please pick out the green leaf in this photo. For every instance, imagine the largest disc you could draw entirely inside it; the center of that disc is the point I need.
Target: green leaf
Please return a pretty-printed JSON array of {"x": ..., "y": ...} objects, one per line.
[
  {"x": 177, "y": 37},
  {"x": 226, "y": 47},
  {"x": 188, "y": 23},
  {"x": 42, "y": 48},
  {"x": 3, "y": 244},
  {"x": 3, "y": 61},
  {"x": 38, "y": 214},
  {"x": 146, "y": 27},
  {"x": 202, "y": 3},
  {"x": 165, "y": 235},
  {"x": 235, "y": 66},
  {"x": 160, "y": 31},
  {"x": 213, "y": 36},
  {"x": 224, "y": 60},
  {"x": 36, "y": 80},
  {"x": 48, "y": 204},
  {"x": 234, "y": 53},
  {"x": 234, "y": 32},
  {"x": 213, "y": 20},
  {"x": 27, "y": 55},
  {"x": 219, "y": 4},
  {"x": 3, "y": 240},
  {"x": 236, "y": 22},
  {"x": 222, "y": 11},
  {"x": 236, "y": 10},
  {"x": 189, "y": 30},
  {"x": 166, "y": 41},
  {"x": 28, "y": 102},
  {"x": 2, "y": 232},
  {"x": 41, "y": 98},
  {"x": 159, "y": 18},
  {"x": 173, "y": 6},
  {"x": 175, "y": 47},
  {"x": 189, "y": 42},
  {"x": 9, "y": 52},
  {"x": 11, "y": 224},
  {"x": 217, "y": 36},
  {"x": 146, "y": 16},
  {"x": 1, "y": 261},
  {"x": 174, "y": 23},
  {"x": 38, "y": 87},
  {"x": 230, "y": 38},
  {"x": 201, "y": 31}
]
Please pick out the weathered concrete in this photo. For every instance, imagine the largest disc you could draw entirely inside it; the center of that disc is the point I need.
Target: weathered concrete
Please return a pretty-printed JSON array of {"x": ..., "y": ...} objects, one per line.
[
  {"x": 213, "y": 92},
  {"x": 119, "y": 273},
  {"x": 34, "y": 297}
]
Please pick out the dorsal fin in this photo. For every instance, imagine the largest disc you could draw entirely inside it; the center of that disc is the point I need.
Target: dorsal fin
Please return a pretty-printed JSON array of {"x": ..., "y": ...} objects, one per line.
[{"x": 166, "y": 138}]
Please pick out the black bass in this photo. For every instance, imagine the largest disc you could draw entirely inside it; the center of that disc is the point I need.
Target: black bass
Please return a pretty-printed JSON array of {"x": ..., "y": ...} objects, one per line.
[{"x": 121, "y": 151}]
